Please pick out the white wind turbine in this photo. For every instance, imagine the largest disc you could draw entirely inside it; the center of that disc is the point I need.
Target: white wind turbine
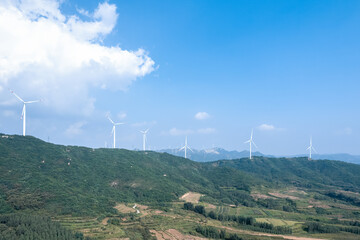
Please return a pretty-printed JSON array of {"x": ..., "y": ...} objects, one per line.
[
  {"x": 23, "y": 114},
  {"x": 113, "y": 129},
  {"x": 311, "y": 148},
  {"x": 185, "y": 147},
  {"x": 250, "y": 141},
  {"x": 144, "y": 138}
]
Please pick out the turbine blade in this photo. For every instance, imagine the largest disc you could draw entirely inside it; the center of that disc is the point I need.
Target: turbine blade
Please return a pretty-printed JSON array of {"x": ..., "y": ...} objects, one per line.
[
  {"x": 254, "y": 144},
  {"x": 308, "y": 148},
  {"x": 16, "y": 96},
  {"x": 111, "y": 120},
  {"x": 247, "y": 141},
  {"x": 314, "y": 150},
  {"x": 190, "y": 149},
  {"x": 22, "y": 113},
  {"x": 116, "y": 124},
  {"x": 182, "y": 148},
  {"x": 33, "y": 101}
]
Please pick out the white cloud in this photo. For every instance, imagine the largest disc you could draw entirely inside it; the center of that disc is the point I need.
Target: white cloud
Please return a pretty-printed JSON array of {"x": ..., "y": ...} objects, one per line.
[
  {"x": 202, "y": 116},
  {"x": 178, "y": 132},
  {"x": 266, "y": 127},
  {"x": 45, "y": 54},
  {"x": 206, "y": 130},
  {"x": 122, "y": 115},
  {"x": 75, "y": 129},
  {"x": 345, "y": 131}
]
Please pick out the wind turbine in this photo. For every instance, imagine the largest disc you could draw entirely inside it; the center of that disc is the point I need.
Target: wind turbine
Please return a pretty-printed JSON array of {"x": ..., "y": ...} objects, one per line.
[
  {"x": 113, "y": 129},
  {"x": 144, "y": 138},
  {"x": 23, "y": 114},
  {"x": 250, "y": 141},
  {"x": 185, "y": 147},
  {"x": 311, "y": 148}
]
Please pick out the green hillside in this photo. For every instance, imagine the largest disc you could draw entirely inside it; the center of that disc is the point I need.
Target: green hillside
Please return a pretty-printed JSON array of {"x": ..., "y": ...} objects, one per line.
[
  {"x": 80, "y": 187},
  {"x": 78, "y": 180},
  {"x": 324, "y": 174}
]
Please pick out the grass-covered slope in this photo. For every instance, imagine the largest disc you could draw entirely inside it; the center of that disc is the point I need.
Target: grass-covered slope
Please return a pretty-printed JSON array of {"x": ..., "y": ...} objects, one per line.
[
  {"x": 35, "y": 175},
  {"x": 299, "y": 172}
]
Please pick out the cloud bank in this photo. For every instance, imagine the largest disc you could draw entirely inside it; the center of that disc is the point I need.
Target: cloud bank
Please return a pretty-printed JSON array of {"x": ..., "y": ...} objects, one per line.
[
  {"x": 46, "y": 54},
  {"x": 202, "y": 116}
]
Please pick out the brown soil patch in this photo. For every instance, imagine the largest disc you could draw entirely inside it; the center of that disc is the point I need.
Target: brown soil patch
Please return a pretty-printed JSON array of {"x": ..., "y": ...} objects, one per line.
[
  {"x": 211, "y": 206},
  {"x": 191, "y": 197},
  {"x": 118, "y": 239},
  {"x": 271, "y": 235},
  {"x": 280, "y": 195},
  {"x": 318, "y": 204},
  {"x": 349, "y": 192},
  {"x": 141, "y": 207},
  {"x": 297, "y": 191},
  {"x": 105, "y": 221},
  {"x": 347, "y": 207},
  {"x": 257, "y": 196},
  {"x": 124, "y": 209},
  {"x": 173, "y": 234}
]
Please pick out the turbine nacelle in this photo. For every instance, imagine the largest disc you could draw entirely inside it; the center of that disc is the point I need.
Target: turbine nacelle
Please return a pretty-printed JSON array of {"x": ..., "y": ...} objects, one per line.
[
  {"x": 185, "y": 147},
  {"x": 23, "y": 113},
  {"x": 250, "y": 141},
  {"x": 113, "y": 128}
]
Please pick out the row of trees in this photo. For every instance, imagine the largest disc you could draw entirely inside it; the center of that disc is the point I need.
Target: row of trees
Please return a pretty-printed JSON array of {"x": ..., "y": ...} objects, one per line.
[
  {"x": 28, "y": 227},
  {"x": 315, "y": 227},
  {"x": 247, "y": 221},
  {"x": 212, "y": 232}
]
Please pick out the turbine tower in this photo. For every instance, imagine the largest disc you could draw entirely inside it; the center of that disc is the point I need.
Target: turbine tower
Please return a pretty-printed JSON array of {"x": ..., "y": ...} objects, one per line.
[
  {"x": 250, "y": 141},
  {"x": 23, "y": 114},
  {"x": 311, "y": 148},
  {"x": 113, "y": 129},
  {"x": 144, "y": 138},
  {"x": 185, "y": 147}
]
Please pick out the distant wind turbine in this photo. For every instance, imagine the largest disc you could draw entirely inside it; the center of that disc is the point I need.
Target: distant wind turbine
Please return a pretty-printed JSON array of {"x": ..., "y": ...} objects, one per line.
[
  {"x": 144, "y": 138},
  {"x": 185, "y": 147},
  {"x": 250, "y": 141},
  {"x": 23, "y": 114},
  {"x": 113, "y": 129},
  {"x": 311, "y": 148}
]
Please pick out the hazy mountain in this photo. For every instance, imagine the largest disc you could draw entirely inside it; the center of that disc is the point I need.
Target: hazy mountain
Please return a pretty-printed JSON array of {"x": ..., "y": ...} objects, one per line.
[
  {"x": 212, "y": 154},
  {"x": 215, "y": 154}
]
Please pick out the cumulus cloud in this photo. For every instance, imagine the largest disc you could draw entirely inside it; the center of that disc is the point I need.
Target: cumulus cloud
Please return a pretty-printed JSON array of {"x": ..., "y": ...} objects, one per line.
[
  {"x": 178, "y": 132},
  {"x": 75, "y": 129},
  {"x": 202, "y": 116},
  {"x": 206, "y": 130},
  {"x": 266, "y": 127},
  {"x": 46, "y": 54},
  {"x": 122, "y": 115}
]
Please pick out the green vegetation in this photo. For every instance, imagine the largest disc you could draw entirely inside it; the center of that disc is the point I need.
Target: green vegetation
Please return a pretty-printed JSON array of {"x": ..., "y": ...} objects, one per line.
[
  {"x": 241, "y": 220},
  {"x": 79, "y": 188},
  {"x": 28, "y": 227}
]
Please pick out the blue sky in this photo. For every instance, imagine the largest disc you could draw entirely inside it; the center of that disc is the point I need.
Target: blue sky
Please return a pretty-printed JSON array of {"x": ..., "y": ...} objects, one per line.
[{"x": 288, "y": 69}]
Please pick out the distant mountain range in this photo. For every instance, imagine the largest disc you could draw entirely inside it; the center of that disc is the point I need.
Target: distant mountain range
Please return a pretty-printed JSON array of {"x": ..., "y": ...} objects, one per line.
[{"x": 215, "y": 154}]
